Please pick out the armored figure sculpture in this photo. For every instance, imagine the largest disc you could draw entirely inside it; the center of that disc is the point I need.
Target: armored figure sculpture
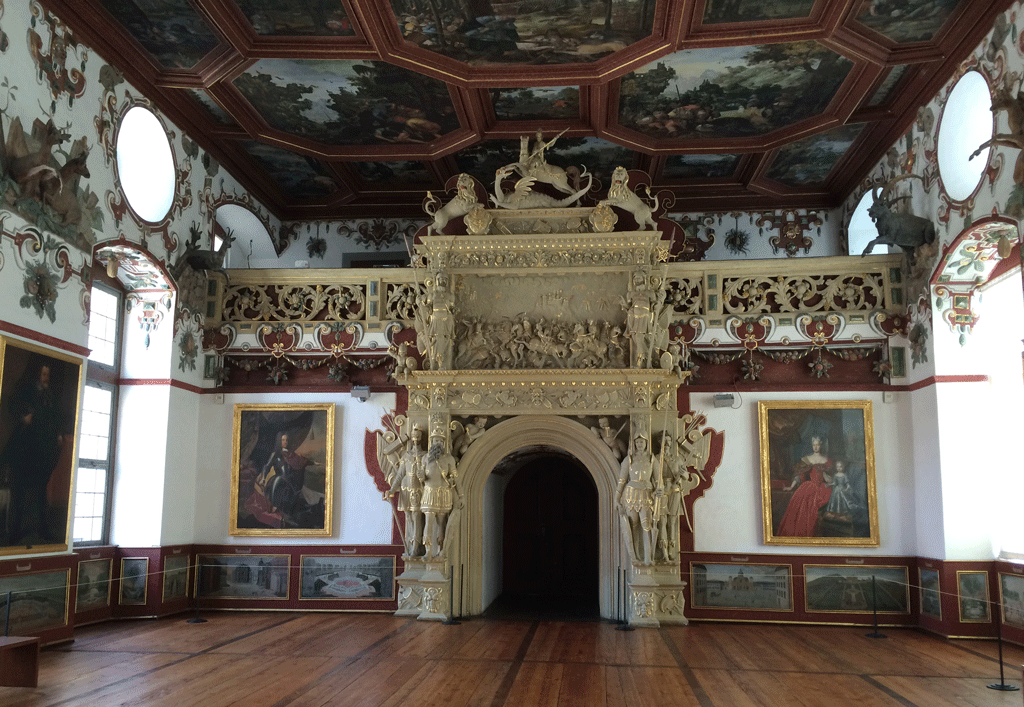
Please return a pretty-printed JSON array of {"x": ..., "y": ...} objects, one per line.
[
  {"x": 409, "y": 487},
  {"x": 638, "y": 493},
  {"x": 440, "y": 493}
]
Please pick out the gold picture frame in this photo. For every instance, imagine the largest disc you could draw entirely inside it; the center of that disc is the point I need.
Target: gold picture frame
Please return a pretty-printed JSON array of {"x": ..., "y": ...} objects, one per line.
[
  {"x": 38, "y": 450},
  {"x": 818, "y": 473},
  {"x": 282, "y": 470},
  {"x": 174, "y": 579},
  {"x": 37, "y": 600},
  {"x": 972, "y": 596},
  {"x": 134, "y": 584},
  {"x": 847, "y": 589},
  {"x": 763, "y": 587},
  {"x": 347, "y": 578},
  {"x": 94, "y": 584}
]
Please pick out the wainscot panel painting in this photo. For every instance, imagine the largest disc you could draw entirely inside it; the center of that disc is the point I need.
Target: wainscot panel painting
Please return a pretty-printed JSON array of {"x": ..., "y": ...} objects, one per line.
[
  {"x": 857, "y": 590},
  {"x": 332, "y": 577},
  {"x": 972, "y": 593},
  {"x": 93, "y": 591},
  {"x": 736, "y": 586},
  {"x": 931, "y": 594},
  {"x": 242, "y": 576},
  {"x": 38, "y": 601},
  {"x": 175, "y": 584},
  {"x": 38, "y": 405},
  {"x": 818, "y": 473},
  {"x": 134, "y": 581},
  {"x": 1011, "y": 599},
  {"x": 282, "y": 470}
]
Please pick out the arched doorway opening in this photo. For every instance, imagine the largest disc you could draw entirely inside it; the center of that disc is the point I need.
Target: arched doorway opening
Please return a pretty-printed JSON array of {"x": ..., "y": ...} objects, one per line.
[{"x": 550, "y": 538}]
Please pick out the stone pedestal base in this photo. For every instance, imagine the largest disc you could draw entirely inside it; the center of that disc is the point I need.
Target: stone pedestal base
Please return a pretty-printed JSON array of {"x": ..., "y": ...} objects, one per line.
[
  {"x": 656, "y": 596},
  {"x": 435, "y": 590},
  {"x": 410, "y": 591}
]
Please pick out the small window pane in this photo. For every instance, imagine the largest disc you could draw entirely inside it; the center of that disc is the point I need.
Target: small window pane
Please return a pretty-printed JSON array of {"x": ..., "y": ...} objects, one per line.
[{"x": 103, "y": 315}]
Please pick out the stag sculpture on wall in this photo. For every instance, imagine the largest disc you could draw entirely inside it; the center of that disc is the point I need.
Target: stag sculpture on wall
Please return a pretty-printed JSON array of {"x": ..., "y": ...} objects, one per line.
[{"x": 897, "y": 229}]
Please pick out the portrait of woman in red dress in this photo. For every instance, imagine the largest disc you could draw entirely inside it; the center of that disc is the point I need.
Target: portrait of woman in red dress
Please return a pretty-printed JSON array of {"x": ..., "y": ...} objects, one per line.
[{"x": 812, "y": 479}]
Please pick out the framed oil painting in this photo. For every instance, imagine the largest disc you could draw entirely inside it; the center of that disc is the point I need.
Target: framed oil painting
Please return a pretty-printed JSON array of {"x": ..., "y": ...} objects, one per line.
[
  {"x": 818, "y": 473},
  {"x": 282, "y": 470},
  {"x": 972, "y": 595},
  {"x": 39, "y": 601},
  {"x": 850, "y": 590},
  {"x": 242, "y": 576},
  {"x": 175, "y": 584},
  {"x": 93, "y": 591},
  {"x": 1011, "y": 599},
  {"x": 741, "y": 586},
  {"x": 931, "y": 595},
  {"x": 39, "y": 402},
  {"x": 333, "y": 577},
  {"x": 134, "y": 580}
]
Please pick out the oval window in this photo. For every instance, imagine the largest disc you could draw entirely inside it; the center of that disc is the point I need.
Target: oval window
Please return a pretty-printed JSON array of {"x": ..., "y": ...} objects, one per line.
[
  {"x": 966, "y": 124},
  {"x": 145, "y": 166}
]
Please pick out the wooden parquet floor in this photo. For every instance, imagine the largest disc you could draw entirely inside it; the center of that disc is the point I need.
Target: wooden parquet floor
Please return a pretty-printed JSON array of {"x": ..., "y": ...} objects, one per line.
[{"x": 364, "y": 660}]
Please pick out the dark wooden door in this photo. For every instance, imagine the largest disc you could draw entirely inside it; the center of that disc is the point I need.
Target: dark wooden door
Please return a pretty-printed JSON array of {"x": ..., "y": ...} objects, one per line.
[{"x": 551, "y": 531}]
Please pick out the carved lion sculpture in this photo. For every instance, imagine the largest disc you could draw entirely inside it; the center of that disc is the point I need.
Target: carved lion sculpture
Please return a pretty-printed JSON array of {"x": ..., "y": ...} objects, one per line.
[
  {"x": 621, "y": 196},
  {"x": 461, "y": 204}
]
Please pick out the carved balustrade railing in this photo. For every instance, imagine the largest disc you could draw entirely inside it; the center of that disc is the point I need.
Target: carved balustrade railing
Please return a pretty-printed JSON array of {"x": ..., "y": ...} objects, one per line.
[{"x": 852, "y": 286}]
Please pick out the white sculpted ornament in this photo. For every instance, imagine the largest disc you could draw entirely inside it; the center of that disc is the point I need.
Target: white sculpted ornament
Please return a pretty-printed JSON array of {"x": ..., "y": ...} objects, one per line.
[
  {"x": 461, "y": 204},
  {"x": 524, "y": 197},
  {"x": 620, "y": 195}
]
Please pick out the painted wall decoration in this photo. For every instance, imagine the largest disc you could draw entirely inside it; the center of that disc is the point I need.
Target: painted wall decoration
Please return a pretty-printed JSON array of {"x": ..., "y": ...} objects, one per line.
[
  {"x": 242, "y": 576},
  {"x": 134, "y": 581},
  {"x": 972, "y": 596},
  {"x": 299, "y": 176},
  {"x": 908, "y": 21},
  {"x": 40, "y": 180},
  {"x": 811, "y": 160},
  {"x": 850, "y": 590},
  {"x": 542, "y": 33},
  {"x": 366, "y": 102},
  {"x": 171, "y": 30},
  {"x": 93, "y": 590},
  {"x": 39, "y": 601},
  {"x": 38, "y": 408},
  {"x": 818, "y": 473},
  {"x": 722, "y": 92},
  {"x": 719, "y": 11},
  {"x": 175, "y": 578},
  {"x": 1011, "y": 599},
  {"x": 302, "y": 18},
  {"x": 885, "y": 88},
  {"x": 931, "y": 594},
  {"x": 741, "y": 586},
  {"x": 51, "y": 56},
  {"x": 4, "y": 40},
  {"x": 536, "y": 103},
  {"x": 709, "y": 166},
  {"x": 333, "y": 577},
  {"x": 282, "y": 470}
]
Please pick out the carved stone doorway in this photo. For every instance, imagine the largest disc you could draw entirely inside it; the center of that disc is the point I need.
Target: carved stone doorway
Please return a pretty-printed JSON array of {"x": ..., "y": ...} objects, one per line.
[{"x": 550, "y": 535}]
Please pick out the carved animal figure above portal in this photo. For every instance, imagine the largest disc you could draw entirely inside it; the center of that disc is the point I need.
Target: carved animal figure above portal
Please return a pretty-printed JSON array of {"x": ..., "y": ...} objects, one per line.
[
  {"x": 461, "y": 204},
  {"x": 201, "y": 259},
  {"x": 532, "y": 163},
  {"x": 621, "y": 196},
  {"x": 904, "y": 230},
  {"x": 524, "y": 197}
]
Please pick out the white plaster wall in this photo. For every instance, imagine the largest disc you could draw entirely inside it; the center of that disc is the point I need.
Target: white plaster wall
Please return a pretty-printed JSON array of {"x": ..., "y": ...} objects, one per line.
[
  {"x": 360, "y": 515},
  {"x": 180, "y": 479},
  {"x": 729, "y": 517},
  {"x": 927, "y": 472},
  {"x": 139, "y": 466}
]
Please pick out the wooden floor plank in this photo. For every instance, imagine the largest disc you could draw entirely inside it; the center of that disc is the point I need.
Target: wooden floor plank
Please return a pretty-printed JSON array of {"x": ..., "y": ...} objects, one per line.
[{"x": 374, "y": 660}]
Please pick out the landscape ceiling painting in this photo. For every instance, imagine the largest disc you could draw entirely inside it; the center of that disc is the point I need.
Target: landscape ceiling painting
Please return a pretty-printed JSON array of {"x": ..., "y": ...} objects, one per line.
[{"x": 328, "y": 109}]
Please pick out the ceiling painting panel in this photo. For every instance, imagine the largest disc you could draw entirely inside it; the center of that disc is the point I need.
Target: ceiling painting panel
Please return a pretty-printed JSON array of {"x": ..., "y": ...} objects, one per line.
[
  {"x": 538, "y": 103},
  {"x": 731, "y": 92},
  {"x": 346, "y": 102},
  {"x": 298, "y": 176},
  {"x": 297, "y": 18},
  {"x": 210, "y": 107},
  {"x": 720, "y": 11},
  {"x": 700, "y": 166},
  {"x": 393, "y": 175},
  {"x": 485, "y": 32},
  {"x": 809, "y": 161},
  {"x": 907, "y": 20},
  {"x": 170, "y": 30}
]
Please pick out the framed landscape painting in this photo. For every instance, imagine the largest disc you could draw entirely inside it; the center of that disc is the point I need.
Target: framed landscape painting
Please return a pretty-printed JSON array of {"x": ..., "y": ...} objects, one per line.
[
  {"x": 931, "y": 595},
  {"x": 818, "y": 473},
  {"x": 175, "y": 584},
  {"x": 242, "y": 576},
  {"x": 972, "y": 594},
  {"x": 333, "y": 577},
  {"x": 134, "y": 580},
  {"x": 93, "y": 591},
  {"x": 856, "y": 589},
  {"x": 282, "y": 470},
  {"x": 1011, "y": 599},
  {"x": 38, "y": 601},
  {"x": 39, "y": 402},
  {"x": 741, "y": 586}
]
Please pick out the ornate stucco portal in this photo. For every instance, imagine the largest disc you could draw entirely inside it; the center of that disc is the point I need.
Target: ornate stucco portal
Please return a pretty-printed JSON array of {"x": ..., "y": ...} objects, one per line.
[{"x": 542, "y": 328}]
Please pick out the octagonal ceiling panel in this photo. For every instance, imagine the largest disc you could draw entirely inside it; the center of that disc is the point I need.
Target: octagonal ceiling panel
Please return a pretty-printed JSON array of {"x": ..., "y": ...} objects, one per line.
[
  {"x": 298, "y": 176},
  {"x": 297, "y": 18},
  {"x": 537, "y": 103},
  {"x": 172, "y": 31},
  {"x": 347, "y": 102},
  {"x": 482, "y": 32},
  {"x": 809, "y": 161},
  {"x": 907, "y": 20},
  {"x": 700, "y": 166},
  {"x": 210, "y": 107},
  {"x": 393, "y": 175},
  {"x": 731, "y": 92},
  {"x": 719, "y": 11}
]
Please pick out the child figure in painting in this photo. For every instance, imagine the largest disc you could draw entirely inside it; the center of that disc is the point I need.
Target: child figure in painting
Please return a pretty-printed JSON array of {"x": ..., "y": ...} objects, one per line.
[{"x": 842, "y": 501}]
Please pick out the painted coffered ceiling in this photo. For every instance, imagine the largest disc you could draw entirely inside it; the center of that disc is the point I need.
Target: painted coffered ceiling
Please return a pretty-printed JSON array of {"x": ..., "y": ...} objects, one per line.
[{"x": 341, "y": 108}]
